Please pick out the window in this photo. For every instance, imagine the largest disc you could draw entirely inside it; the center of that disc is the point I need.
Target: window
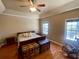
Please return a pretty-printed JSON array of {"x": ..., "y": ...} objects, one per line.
[
  {"x": 45, "y": 28},
  {"x": 72, "y": 29}
]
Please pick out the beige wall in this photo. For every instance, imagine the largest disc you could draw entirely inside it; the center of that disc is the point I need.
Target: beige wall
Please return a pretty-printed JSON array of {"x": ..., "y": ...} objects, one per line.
[
  {"x": 9, "y": 25},
  {"x": 57, "y": 24}
]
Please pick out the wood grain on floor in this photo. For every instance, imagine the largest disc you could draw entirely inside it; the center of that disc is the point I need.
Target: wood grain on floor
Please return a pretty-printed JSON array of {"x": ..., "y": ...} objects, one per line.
[{"x": 10, "y": 52}]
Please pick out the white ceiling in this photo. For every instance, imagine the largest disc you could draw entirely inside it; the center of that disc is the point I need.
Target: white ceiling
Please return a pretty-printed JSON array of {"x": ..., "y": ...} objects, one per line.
[
  {"x": 64, "y": 8},
  {"x": 51, "y": 5},
  {"x": 2, "y": 8}
]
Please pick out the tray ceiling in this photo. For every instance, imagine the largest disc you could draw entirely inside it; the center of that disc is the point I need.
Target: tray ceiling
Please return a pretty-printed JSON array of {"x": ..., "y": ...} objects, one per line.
[{"x": 50, "y": 5}]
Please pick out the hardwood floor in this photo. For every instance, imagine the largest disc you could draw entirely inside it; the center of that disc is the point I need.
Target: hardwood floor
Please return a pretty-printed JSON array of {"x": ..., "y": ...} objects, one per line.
[{"x": 10, "y": 52}]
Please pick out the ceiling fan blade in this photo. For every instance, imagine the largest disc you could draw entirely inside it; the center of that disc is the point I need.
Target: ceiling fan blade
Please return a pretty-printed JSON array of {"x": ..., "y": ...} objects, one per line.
[
  {"x": 23, "y": 6},
  {"x": 38, "y": 10},
  {"x": 41, "y": 5},
  {"x": 31, "y": 2}
]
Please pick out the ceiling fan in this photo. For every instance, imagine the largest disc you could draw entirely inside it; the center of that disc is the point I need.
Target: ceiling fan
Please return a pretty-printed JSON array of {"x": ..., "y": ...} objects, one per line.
[{"x": 34, "y": 7}]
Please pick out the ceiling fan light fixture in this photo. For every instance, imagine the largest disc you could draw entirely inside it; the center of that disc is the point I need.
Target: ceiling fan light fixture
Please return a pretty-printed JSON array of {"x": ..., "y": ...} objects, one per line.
[{"x": 33, "y": 9}]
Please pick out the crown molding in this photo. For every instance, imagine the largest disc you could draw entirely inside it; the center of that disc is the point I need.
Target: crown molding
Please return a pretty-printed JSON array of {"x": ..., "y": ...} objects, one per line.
[
  {"x": 11, "y": 12},
  {"x": 65, "y": 8},
  {"x": 2, "y": 7}
]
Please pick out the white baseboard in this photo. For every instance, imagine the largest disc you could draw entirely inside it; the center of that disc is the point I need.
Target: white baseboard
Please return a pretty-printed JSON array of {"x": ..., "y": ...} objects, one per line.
[{"x": 55, "y": 42}]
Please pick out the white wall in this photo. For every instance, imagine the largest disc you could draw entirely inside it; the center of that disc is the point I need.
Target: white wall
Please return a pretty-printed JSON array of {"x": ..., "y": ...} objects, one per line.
[
  {"x": 9, "y": 25},
  {"x": 57, "y": 24}
]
